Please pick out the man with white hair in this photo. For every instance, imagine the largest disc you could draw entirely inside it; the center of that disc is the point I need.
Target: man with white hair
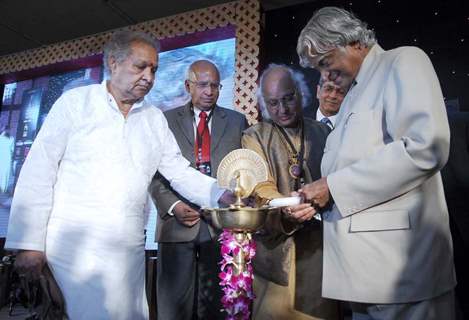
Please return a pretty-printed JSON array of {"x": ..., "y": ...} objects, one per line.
[
  {"x": 288, "y": 262},
  {"x": 78, "y": 204},
  {"x": 387, "y": 244}
]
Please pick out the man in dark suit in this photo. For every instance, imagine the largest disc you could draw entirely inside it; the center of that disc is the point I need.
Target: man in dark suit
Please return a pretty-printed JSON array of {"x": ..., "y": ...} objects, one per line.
[
  {"x": 188, "y": 252},
  {"x": 456, "y": 183},
  {"x": 330, "y": 97}
]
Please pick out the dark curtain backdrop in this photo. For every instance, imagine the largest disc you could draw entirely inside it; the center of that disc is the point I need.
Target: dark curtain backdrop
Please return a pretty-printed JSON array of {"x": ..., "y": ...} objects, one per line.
[{"x": 440, "y": 28}]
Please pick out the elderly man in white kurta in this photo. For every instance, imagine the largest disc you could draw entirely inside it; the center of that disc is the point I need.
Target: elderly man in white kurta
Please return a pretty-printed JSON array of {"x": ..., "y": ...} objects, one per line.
[
  {"x": 78, "y": 204},
  {"x": 387, "y": 244}
]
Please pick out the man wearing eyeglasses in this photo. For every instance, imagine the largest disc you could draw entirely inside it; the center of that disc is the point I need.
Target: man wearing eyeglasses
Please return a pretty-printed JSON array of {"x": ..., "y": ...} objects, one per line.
[
  {"x": 288, "y": 263},
  {"x": 330, "y": 98},
  {"x": 188, "y": 252}
]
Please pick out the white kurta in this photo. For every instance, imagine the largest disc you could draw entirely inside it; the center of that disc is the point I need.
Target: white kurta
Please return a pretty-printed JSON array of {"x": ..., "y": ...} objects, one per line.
[{"x": 81, "y": 194}]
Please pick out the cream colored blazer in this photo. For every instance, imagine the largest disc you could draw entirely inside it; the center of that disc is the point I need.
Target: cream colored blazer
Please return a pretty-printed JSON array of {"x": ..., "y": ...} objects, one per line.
[{"x": 387, "y": 238}]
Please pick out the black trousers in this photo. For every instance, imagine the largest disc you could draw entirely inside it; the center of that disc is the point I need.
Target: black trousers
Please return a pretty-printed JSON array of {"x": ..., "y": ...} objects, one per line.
[
  {"x": 187, "y": 279},
  {"x": 461, "y": 264}
]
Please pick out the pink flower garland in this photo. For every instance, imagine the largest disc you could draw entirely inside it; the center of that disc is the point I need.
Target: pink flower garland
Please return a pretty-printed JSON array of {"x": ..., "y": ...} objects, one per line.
[{"x": 238, "y": 294}]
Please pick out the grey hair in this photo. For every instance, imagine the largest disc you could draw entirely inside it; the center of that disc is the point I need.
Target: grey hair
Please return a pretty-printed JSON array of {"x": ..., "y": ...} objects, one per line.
[
  {"x": 330, "y": 28},
  {"x": 119, "y": 46},
  {"x": 300, "y": 85}
]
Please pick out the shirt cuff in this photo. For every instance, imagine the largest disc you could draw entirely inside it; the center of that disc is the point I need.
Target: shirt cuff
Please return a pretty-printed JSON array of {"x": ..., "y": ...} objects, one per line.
[
  {"x": 170, "y": 210},
  {"x": 18, "y": 246}
]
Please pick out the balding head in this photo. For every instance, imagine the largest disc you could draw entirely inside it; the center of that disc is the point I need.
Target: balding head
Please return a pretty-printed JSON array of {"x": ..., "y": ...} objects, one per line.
[
  {"x": 276, "y": 77},
  {"x": 200, "y": 66},
  {"x": 281, "y": 96},
  {"x": 203, "y": 84}
]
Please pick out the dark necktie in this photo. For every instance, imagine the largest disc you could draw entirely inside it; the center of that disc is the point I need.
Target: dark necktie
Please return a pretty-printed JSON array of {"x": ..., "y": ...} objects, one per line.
[
  {"x": 328, "y": 122},
  {"x": 202, "y": 147}
]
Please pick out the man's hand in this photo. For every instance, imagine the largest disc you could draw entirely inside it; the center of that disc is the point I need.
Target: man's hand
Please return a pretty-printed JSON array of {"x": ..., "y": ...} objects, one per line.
[
  {"x": 185, "y": 214},
  {"x": 29, "y": 263},
  {"x": 316, "y": 192},
  {"x": 299, "y": 213}
]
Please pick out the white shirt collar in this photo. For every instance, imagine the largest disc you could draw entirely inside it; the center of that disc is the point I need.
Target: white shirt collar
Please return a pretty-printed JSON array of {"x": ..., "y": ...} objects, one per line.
[
  {"x": 112, "y": 101},
  {"x": 197, "y": 112}
]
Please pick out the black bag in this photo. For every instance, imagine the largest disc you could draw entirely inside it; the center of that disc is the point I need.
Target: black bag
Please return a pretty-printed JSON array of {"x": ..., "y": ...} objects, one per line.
[
  {"x": 44, "y": 300},
  {"x": 53, "y": 303}
]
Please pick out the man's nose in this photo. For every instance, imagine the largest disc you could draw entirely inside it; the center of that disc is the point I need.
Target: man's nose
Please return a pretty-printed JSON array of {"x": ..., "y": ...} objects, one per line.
[
  {"x": 282, "y": 107},
  {"x": 209, "y": 90},
  {"x": 148, "y": 74}
]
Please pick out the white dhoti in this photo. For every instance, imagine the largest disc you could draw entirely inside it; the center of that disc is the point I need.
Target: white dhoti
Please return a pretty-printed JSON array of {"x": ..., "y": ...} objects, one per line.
[{"x": 100, "y": 271}]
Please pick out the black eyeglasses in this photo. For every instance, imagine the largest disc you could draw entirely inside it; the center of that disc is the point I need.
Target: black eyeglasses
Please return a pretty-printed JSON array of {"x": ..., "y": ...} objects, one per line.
[
  {"x": 206, "y": 84},
  {"x": 287, "y": 100}
]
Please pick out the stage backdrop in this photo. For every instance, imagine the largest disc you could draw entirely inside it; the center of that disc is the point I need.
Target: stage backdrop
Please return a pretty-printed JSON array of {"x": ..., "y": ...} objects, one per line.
[{"x": 225, "y": 34}]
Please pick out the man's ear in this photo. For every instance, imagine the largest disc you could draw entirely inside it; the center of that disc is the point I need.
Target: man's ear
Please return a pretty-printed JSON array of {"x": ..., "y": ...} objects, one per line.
[
  {"x": 357, "y": 46},
  {"x": 318, "y": 90},
  {"x": 112, "y": 62},
  {"x": 187, "y": 86}
]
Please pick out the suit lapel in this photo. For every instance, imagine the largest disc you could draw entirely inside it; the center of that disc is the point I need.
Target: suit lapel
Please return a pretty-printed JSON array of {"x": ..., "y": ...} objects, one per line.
[
  {"x": 219, "y": 123},
  {"x": 186, "y": 123},
  {"x": 313, "y": 152}
]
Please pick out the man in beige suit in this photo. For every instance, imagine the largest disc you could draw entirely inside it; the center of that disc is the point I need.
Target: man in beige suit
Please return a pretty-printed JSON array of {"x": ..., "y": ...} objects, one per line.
[{"x": 387, "y": 245}]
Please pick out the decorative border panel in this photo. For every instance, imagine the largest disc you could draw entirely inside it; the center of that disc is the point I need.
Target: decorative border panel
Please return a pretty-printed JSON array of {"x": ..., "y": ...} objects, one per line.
[{"x": 243, "y": 14}]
